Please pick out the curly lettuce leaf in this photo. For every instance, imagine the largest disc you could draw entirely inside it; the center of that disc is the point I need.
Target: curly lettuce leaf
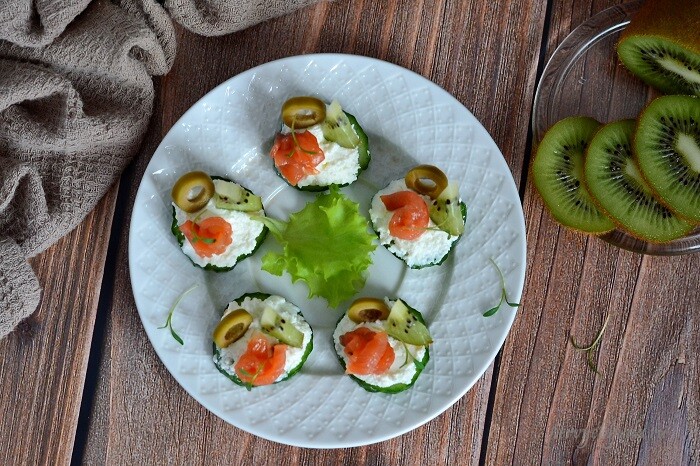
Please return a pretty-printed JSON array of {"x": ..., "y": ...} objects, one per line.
[{"x": 327, "y": 244}]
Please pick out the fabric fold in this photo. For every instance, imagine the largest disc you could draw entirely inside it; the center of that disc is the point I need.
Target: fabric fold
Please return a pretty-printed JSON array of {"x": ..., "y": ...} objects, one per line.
[
  {"x": 19, "y": 288},
  {"x": 216, "y": 18}
]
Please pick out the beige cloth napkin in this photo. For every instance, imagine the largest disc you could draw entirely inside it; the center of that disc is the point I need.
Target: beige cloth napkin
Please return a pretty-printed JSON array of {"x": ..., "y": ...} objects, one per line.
[{"x": 76, "y": 96}]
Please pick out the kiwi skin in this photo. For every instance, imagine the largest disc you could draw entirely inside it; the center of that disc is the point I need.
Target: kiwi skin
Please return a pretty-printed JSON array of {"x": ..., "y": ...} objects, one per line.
[
  {"x": 668, "y": 25},
  {"x": 619, "y": 190},
  {"x": 682, "y": 112}
]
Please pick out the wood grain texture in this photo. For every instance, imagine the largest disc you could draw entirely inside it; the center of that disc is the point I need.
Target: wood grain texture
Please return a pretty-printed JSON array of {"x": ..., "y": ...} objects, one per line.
[
  {"x": 43, "y": 363},
  {"x": 140, "y": 414},
  {"x": 550, "y": 408}
]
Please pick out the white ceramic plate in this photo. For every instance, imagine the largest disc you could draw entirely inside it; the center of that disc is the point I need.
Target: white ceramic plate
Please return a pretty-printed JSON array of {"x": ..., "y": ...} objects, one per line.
[{"x": 409, "y": 120}]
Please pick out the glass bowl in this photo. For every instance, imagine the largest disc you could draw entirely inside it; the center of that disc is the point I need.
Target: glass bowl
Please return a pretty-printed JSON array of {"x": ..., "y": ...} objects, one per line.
[{"x": 585, "y": 77}]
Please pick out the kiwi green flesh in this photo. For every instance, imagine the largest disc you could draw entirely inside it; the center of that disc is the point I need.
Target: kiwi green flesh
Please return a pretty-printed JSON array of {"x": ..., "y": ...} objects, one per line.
[
  {"x": 661, "y": 63},
  {"x": 667, "y": 146},
  {"x": 615, "y": 183},
  {"x": 557, "y": 172}
]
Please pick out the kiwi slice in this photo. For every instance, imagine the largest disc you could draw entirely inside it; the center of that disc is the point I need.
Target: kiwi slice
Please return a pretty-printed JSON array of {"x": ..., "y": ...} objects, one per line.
[
  {"x": 337, "y": 128},
  {"x": 615, "y": 183},
  {"x": 405, "y": 326},
  {"x": 557, "y": 173},
  {"x": 276, "y": 326},
  {"x": 445, "y": 210},
  {"x": 661, "y": 46},
  {"x": 232, "y": 196},
  {"x": 667, "y": 146}
]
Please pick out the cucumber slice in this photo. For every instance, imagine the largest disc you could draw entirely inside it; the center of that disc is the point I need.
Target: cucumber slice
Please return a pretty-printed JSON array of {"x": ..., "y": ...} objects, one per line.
[
  {"x": 398, "y": 387},
  {"x": 275, "y": 326},
  {"x": 445, "y": 211},
  {"x": 175, "y": 230},
  {"x": 362, "y": 147},
  {"x": 232, "y": 375},
  {"x": 232, "y": 196},
  {"x": 463, "y": 211}
]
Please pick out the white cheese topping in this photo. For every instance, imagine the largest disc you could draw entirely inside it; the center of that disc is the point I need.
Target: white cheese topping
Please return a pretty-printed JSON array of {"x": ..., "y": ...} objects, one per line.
[
  {"x": 255, "y": 307},
  {"x": 244, "y": 229},
  {"x": 402, "y": 370},
  {"x": 340, "y": 165},
  {"x": 428, "y": 248}
]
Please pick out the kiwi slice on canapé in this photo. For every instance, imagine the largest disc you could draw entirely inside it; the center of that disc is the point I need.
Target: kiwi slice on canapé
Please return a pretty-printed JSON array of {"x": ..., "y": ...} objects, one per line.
[
  {"x": 667, "y": 147},
  {"x": 557, "y": 172},
  {"x": 661, "y": 45},
  {"x": 616, "y": 185}
]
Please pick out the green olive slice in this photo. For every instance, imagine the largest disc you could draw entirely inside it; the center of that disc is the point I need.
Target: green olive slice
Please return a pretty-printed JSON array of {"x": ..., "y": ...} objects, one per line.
[
  {"x": 303, "y": 112},
  {"x": 192, "y": 191},
  {"x": 426, "y": 179},
  {"x": 368, "y": 310},
  {"x": 232, "y": 327}
]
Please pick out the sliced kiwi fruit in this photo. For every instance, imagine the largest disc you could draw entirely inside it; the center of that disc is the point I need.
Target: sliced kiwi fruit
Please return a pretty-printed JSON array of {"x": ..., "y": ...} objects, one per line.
[
  {"x": 337, "y": 128},
  {"x": 667, "y": 147},
  {"x": 277, "y": 326},
  {"x": 557, "y": 172},
  {"x": 403, "y": 325},
  {"x": 445, "y": 210},
  {"x": 614, "y": 181},
  {"x": 661, "y": 45},
  {"x": 232, "y": 196}
]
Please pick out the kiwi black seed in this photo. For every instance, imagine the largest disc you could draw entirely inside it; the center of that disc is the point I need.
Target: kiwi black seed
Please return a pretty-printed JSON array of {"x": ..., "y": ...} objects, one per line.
[
  {"x": 557, "y": 172},
  {"x": 667, "y": 147},
  {"x": 616, "y": 185},
  {"x": 661, "y": 45}
]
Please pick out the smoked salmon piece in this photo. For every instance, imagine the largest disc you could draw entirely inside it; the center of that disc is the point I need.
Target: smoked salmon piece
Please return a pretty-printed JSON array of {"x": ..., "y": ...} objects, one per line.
[
  {"x": 410, "y": 214},
  {"x": 263, "y": 362},
  {"x": 296, "y": 159},
  {"x": 208, "y": 237},
  {"x": 368, "y": 352}
]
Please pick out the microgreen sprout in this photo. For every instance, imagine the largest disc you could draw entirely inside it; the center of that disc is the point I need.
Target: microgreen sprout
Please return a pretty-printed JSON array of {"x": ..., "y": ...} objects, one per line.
[
  {"x": 296, "y": 143},
  {"x": 410, "y": 357},
  {"x": 169, "y": 322},
  {"x": 504, "y": 297},
  {"x": 592, "y": 347},
  {"x": 249, "y": 384}
]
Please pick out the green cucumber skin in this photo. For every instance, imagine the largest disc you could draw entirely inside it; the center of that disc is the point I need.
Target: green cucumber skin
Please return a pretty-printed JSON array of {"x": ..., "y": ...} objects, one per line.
[
  {"x": 233, "y": 377},
  {"x": 363, "y": 148},
  {"x": 463, "y": 208},
  {"x": 175, "y": 229},
  {"x": 399, "y": 387},
  {"x": 363, "y": 158}
]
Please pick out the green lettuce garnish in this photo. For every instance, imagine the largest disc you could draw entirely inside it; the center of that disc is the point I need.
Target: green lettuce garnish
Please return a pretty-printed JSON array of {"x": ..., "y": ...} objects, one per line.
[{"x": 327, "y": 244}]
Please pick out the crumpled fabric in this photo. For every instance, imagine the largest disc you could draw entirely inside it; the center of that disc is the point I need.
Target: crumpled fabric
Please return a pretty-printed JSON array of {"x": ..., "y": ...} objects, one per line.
[{"x": 76, "y": 96}]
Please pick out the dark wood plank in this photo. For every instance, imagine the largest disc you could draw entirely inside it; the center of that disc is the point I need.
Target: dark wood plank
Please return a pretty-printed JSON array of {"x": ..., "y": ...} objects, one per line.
[
  {"x": 458, "y": 45},
  {"x": 550, "y": 408},
  {"x": 44, "y": 360}
]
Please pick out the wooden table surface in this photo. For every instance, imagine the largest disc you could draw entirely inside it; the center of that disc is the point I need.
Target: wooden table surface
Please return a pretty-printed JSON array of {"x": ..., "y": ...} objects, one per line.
[{"x": 80, "y": 382}]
